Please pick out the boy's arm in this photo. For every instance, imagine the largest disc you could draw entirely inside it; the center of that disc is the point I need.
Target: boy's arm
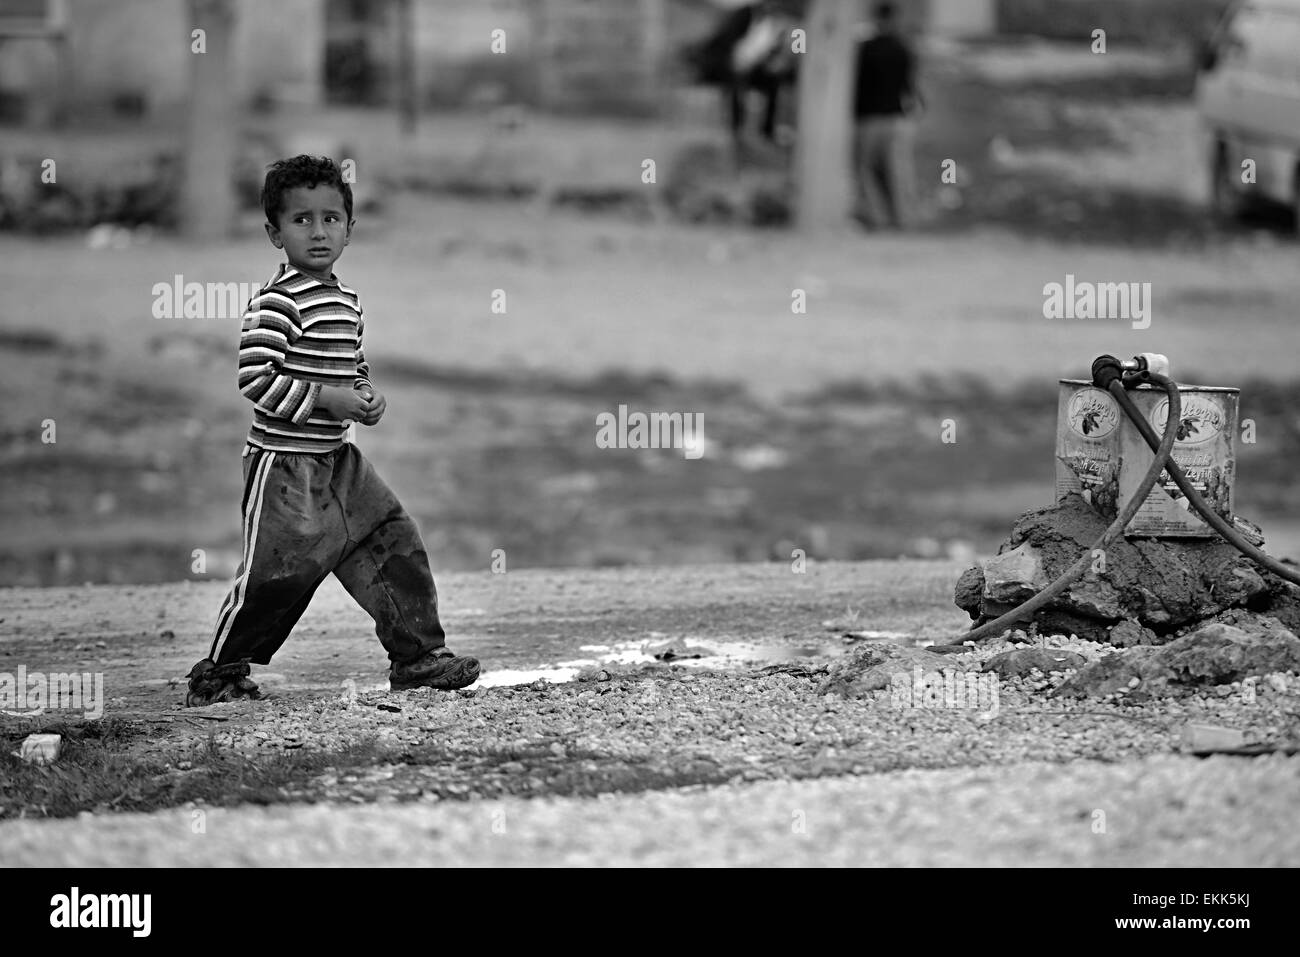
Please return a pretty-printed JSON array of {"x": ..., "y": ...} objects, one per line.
[
  {"x": 271, "y": 325},
  {"x": 363, "y": 367}
]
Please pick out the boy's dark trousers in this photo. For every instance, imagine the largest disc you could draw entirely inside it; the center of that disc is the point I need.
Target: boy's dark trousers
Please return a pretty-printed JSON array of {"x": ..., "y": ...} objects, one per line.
[{"x": 306, "y": 516}]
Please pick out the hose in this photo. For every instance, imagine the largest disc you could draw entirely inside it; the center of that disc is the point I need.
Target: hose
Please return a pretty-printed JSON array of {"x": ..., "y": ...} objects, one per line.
[
  {"x": 1212, "y": 518},
  {"x": 1163, "y": 448},
  {"x": 1107, "y": 374}
]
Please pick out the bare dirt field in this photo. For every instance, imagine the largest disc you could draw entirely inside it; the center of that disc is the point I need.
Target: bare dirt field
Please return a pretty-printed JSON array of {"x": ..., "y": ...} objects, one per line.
[
  {"x": 823, "y": 426},
  {"x": 576, "y": 737},
  {"x": 823, "y": 429}
]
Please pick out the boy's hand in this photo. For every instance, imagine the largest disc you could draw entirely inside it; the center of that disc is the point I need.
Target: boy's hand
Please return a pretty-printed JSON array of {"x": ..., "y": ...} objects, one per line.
[
  {"x": 375, "y": 410},
  {"x": 343, "y": 403}
]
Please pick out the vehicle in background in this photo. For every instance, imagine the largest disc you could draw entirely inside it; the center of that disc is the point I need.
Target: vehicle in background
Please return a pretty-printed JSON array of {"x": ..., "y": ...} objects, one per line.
[{"x": 1248, "y": 97}]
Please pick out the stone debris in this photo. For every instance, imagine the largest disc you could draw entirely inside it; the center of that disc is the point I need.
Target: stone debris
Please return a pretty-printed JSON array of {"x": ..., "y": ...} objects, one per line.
[
  {"x": 675, "y": 650},
  {"x": 1238, "y": 646},
  {"x": 1022, "y": 661},
  {"x": 1210, "y": 737},
  {"x": 1140, "y": 591},
  {"x": 40, "y": 748},
  {"x": 872, "y": 667},
  {"x": 1129, "y": 633}
]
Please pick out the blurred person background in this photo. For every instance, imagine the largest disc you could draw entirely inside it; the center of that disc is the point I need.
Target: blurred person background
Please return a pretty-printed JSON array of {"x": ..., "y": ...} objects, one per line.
[{"x": 605, "y": 219}]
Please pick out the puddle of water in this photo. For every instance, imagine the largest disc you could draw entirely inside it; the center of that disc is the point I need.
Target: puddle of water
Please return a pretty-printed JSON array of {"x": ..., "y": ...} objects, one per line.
[
  {"x": 511, "y": 676},
  {"x": 722, "y": 654},
  {"x": 626, "y": 653}
]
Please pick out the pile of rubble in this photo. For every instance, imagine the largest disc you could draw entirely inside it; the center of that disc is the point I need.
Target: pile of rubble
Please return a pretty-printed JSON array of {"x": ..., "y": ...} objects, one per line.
[{"x": 1187, "y": 612}]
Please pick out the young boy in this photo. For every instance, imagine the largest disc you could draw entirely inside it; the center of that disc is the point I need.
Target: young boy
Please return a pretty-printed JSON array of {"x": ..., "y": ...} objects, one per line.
[{"x": 312, "y": 504}]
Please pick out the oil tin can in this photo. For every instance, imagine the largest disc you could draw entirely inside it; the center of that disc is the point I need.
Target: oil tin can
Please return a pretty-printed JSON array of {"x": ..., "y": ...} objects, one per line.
[
  {"x": 1205, "y": 449},
  {"x": 1087, "y": 445},
  {"x": 1101, "y": 455}
]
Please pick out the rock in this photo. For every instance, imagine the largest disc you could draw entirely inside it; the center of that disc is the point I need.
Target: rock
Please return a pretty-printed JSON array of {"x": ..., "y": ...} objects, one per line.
[
  {"x": 1209, "y": 737},
  {"x": 874, "y": 665},
  {"x": 969, "y": 592},
  {"x": 1095, "y": 598},
  {"x": 1157, "y": 584},
  {"x": 1014, "y": 576},
  {"x": 1020, "y": 661},
  {"x": 40, "y": 748},
  {"x": 1283, "y": 603},
  {"x": 1129, "y": 633},
  {"x": 1112, "y": 674},
  {"x": 1236, "y": 585},
  {"x": 675, "y": 650},
  {"x": 1215, "y": 653}
]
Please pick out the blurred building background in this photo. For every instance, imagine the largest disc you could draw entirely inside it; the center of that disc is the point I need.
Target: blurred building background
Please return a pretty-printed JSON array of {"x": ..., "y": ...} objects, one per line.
[
  {"x": 525, "y": 171},
  {"x": 577, "y": 55}
]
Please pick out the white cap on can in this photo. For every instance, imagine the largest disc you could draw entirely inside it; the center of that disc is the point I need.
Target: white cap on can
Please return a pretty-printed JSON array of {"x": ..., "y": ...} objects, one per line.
[{"x": 1156, "y": 363}]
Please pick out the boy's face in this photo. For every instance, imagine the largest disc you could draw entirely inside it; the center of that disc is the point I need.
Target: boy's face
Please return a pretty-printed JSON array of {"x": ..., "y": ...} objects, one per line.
[{"x": 313, "y": 229}]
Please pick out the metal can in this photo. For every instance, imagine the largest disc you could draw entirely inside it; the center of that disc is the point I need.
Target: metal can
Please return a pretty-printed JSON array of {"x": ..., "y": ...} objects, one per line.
[
  {"x": 1101, "y": 456},
  {"x": 1087, "y": 445},
  {"x": 1205, "y": 449}
]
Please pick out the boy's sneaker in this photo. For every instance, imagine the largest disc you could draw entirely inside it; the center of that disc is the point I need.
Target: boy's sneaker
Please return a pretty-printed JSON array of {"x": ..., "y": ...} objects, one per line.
[
  {"x": 438, "y": 669},
  {"x": 211, "y": 683}
]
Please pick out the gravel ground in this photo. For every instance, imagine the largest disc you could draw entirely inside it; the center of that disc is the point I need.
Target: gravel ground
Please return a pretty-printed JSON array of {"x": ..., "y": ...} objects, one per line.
[
  {"x": 740, "y": 757},
  {"x": 650, "y": 727},
  {"x": 1159, "y": 811}
]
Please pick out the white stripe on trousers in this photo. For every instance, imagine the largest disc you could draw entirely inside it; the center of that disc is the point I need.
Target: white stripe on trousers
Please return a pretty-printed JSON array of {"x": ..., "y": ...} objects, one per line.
[{"x": 252, "y": 518}]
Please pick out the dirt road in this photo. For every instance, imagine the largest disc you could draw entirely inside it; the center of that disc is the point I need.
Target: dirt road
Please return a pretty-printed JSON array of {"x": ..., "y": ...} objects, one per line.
[{"x": 736, "y": 757}]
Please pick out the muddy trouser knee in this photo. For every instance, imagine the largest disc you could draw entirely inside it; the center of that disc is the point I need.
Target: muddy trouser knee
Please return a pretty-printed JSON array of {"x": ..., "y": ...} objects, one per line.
[
  {"x": 385, "y": 567},
  {"x": 304, "y": 517}
]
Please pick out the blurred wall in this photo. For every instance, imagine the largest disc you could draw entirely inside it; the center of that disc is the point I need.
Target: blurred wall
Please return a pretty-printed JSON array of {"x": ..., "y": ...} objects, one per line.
[
  {"x": 135, "y": 53},
  {"x": 1146, "y": 22},
  {"x": 564, "y": 55},
  {"x": 962, "y": 18}
]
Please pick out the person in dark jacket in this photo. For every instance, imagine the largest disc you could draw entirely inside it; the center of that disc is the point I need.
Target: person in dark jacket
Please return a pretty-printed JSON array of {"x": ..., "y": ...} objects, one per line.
[
  {"x": 749, "y": 49},
  {"x": 885, "y": 99}
]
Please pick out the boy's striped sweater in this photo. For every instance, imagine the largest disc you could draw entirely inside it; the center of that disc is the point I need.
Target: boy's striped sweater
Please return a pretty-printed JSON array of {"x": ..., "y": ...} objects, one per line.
[{"x": 299, "y": 334}]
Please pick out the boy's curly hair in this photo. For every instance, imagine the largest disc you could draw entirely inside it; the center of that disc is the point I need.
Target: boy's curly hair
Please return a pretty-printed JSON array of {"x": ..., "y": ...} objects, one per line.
[{"x": 286, "y": 174}]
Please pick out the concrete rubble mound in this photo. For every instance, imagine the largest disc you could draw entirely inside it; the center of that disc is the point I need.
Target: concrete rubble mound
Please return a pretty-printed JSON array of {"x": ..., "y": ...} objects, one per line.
[
  {"x": 1138, "y": 592},
  {"x": 1182, "y": 613}
]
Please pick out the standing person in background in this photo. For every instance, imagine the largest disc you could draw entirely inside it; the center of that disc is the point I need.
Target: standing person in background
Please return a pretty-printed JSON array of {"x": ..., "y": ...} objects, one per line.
[
  {"x": 749, "y": 49},
  {"x": 885, "y": 99},
  {"x": 761, "y": 60}
]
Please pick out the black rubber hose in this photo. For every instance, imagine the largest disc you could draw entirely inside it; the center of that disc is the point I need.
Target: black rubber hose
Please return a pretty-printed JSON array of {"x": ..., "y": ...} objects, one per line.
[
  {"x": 1116, "y": 529},
  {"x": 1212, "y": 518}
]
